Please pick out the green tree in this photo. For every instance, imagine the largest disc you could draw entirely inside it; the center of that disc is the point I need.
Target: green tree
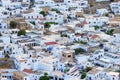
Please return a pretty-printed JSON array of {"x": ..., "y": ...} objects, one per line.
[
  {"x": 63, "y": 35},
  {"x": 83, "y": 75},
  {"x": 69, "y": 17},
  {"x": 66, "y": 70},
  {"x": 21, "y": 32},
  {"x": 13, "y": 24},
  {"x": 110, "y": 32},
  {"x": 96, "y": 27},
  {"x": 48, "y": 24},
  {"x": 45, "y": 77},
  {"x": 57, "y": 11},
  {"x": 80, "y": 42},
  {"x": 32, "y": 22},
  {"x": 79, "y": 51},
  {"x": 43, "y": 13},
  {"x": 107, "y": 15}
]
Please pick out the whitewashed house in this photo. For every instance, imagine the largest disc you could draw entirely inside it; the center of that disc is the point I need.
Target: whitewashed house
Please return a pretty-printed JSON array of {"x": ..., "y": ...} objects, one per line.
[
  {"x": 115, "y": 7},
  {"x": 101, "y": 12},
  {"x": 10, "y": 5},
  {"x": 82, "y": 3},
  {"x": 7, "y": 74},
  {"x": 112, "y": 76},
  {"x": 94, "y": 74},
  {"x": 42, "y": 3},
  {"x": 32, "y": 15},
  {"x": 13, "y": 49},
  {"x": 101, "y": 0},
  {"x": 54, "y": 17},
  {"x": 97, "y": 21},
  {"x": 3, "y": 25}
]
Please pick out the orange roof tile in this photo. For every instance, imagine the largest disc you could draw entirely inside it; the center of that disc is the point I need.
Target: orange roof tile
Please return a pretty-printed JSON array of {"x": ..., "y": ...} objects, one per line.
[
  {"x": 51, "y": 43},
  {"x": 28, "y": 71},
  {"x": 94, "y": 36}
]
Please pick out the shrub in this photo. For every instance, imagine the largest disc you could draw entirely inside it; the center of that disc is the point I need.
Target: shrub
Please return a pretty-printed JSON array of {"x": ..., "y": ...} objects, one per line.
[
  {"x": 79, "y": 51},
  {"x": 63, "y": 35},
  {"x": 57, "y": 11},
  {"x": 21, "y": 32},
  {"x": 32, "y": 22},
  {"x": 96, "y": 27},
  {"x": 45, "y": 77},
  {"x": 13, "y": 24},
  {"x": 83, "y": 75},
  {"x": 69, "y": 17},
  {"x": 48, "y": 24},
  {"x": 81, "y": 42},
  {"x": 110, "y": 32},
  {"x": 43, "y": 13},
  {"x": 107, "y": 15}
]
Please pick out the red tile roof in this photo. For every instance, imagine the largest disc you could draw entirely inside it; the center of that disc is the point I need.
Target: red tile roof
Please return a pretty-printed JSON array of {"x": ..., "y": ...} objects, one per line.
[
  {"x": 94, "y": 36},
  {"x": 23, "y": 3},
  {"x": 81, "y": 24},
  {"x": 22, "y": 60},
  {"x": 95, "y": 16},
  {"x": 51, "y": 43},
  {"x": 28, "y": 71},
  {"x": 84, "y": 22}
]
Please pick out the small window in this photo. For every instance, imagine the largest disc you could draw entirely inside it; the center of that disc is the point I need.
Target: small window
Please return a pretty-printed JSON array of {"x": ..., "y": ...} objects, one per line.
[
  {"x": 69, "y": 56},
  {"x": 68, "y": 1}
]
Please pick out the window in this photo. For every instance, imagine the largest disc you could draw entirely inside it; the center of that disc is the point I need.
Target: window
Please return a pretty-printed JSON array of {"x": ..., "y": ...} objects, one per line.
[
  {"x": 5, "y": 27},
  {"x": 113, "y": 78},
  {"x": 68, "y": 1},
  {"x": 32, "y": 60},
  {"x": 63, "y": 55},
  {"x": 10, "y": 77},
  {"x": 94, "y": 22},
  {"x": 69, "y": 56}
]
